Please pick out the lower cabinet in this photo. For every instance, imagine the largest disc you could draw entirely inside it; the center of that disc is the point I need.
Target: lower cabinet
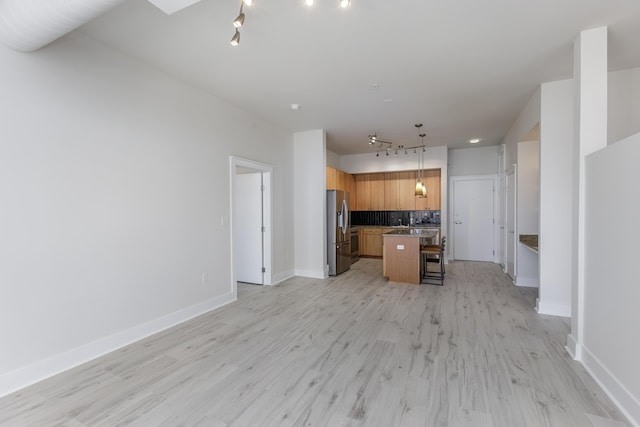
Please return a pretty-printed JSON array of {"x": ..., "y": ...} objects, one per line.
[{"x": 371, "y": 241}]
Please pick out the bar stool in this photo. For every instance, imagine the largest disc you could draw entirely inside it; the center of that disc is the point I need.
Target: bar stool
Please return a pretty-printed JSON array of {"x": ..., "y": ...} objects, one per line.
[{"x": 433, "y": 254}]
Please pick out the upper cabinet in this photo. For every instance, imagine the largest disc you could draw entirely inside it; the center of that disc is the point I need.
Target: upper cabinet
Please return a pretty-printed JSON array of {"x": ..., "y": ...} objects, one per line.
[
  {"x": 399, "y": 191},
  {"x": 340, "y": 180},
  {"x": 431, "y": 179},
  {"x": 369, "y": 192},
  {"x": 331, "y": 178},
  {"x": 395, "y": 191},
  {"x": 391, "y": 191}
]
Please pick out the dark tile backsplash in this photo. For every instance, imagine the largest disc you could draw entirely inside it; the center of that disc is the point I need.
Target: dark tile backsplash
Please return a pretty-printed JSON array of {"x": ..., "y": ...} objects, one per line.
[{"x": 421, "y": 218}]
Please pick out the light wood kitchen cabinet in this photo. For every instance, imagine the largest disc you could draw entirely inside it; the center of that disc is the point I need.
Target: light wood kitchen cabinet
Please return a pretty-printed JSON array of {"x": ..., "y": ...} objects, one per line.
[
  {"x": 395, "y": 191},
  {"x": 376, "y": 196},
  {"x": 406, "y": 191},
  {"x": 432, "y": 182},
  {"x": 370, "y": 243},
  {"x": 399, "y": 191},
  {"x": 369, "y": 192},
  {"x": 340, "y": 180},
  {"x": 363, "y": 192},
  {"x": 331, "y": 178},
  {"x": 350, "y": 186},
  {"x": 391, "y": 187}
]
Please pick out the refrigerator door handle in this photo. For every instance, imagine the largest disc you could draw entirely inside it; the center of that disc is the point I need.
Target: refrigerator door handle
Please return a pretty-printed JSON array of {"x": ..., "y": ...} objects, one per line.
[{"x": 345, "y": 216}]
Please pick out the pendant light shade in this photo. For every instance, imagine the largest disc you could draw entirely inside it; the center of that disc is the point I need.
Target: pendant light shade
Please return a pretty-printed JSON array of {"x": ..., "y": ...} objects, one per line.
[{"x": 419, "y": 188}]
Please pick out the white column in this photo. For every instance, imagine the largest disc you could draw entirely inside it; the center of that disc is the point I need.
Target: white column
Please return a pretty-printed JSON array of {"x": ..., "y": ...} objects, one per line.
[
  {"x": 556, "y": 189},
  {"x": 309, "y": 204},
  {"x": 590, "y": 133}
]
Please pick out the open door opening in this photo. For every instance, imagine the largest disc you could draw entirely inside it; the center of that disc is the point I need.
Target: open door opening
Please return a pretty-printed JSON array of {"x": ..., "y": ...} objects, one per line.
[{"x": 251, "y": 222}]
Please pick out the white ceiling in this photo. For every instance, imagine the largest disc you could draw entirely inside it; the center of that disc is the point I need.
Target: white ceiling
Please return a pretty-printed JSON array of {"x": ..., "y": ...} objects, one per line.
[{"x": 464, "y": 68}]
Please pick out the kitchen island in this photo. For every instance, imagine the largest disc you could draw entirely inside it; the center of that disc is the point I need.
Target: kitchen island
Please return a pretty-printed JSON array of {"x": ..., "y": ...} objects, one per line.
[{"x": 401, "y": 253}]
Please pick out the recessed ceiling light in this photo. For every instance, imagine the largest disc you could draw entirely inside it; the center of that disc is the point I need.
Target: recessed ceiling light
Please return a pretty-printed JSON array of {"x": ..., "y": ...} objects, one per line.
[
  {"x": 295, "y": 107},
  {"x": 474, "y": 140}
]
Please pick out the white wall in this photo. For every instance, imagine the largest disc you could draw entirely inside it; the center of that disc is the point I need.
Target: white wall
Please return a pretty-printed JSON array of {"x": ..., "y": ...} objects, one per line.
[
  {"x": 556, "y": 185},
  {"x": 434, "y": 157},
  {"x": 611, "y": 347},
  {"x": 624, "y": 104},
  {"x": 114, "y": 181},
  {"x": 473, "y": 161},
  {"x": 527, "y": 119},
  {"x": 333, "y": 160},
  {"x": 310, "y": 204},
  {"x": 527, "y": 210}
]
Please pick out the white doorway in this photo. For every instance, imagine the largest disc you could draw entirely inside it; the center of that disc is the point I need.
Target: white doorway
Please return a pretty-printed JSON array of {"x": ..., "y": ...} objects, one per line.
[
  {"x": 473, "y": 219},
  {"x": 251, "y": 224},
  {"x": 249, "y": 216},
  {"x": 510, "y": 208}
]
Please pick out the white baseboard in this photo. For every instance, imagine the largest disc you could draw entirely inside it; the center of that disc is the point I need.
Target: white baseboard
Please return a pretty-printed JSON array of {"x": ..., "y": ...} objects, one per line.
[
  {"x": 552, "y": 309},
  {"x": 312, "y": 274},
  {"x": 38, "y": 371},
  {"x": 574, "y": 349},
  {"x": 282, "y": 276},
  {"x": 527, "y": 281},
  {"x": 613, "y": 387}
]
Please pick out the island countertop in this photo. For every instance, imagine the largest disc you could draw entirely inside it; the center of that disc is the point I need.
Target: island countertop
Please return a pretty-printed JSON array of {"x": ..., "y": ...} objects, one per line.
[{"x": 414, "y": 232}]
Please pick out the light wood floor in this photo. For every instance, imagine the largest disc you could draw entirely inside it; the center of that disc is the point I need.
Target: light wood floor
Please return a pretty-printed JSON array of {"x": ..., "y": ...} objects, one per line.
[{"x": 349, "y": 351}]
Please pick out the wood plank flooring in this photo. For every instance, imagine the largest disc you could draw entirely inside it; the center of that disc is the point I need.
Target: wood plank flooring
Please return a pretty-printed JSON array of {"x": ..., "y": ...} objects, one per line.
[{"x": 354, "y": 350}]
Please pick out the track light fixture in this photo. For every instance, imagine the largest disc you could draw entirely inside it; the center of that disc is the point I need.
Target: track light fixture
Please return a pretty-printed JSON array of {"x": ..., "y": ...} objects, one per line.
[
  {"x": 235, "y": 40},
  {"x": 240, "y": 19},
  {"x": 382, "y": 145}
]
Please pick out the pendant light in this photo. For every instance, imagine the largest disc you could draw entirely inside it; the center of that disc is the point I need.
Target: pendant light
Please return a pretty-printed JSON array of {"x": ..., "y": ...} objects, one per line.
[{"x": 421, "y": 189}]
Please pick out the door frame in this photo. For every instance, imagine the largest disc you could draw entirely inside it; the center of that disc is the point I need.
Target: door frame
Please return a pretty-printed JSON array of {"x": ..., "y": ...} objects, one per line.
[
  {"x": 452, "y": 181},
  {"x": 267, "y": 197},
  {"x": 511, "y": 171},
  {"x": 501, "y": 216}
]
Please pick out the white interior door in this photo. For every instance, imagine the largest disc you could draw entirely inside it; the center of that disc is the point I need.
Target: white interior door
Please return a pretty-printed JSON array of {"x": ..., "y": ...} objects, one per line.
[
  {"x": 249, "y": 235},
  {"x": 473, "y": 219},
  {"x": 511, "y": 223}
]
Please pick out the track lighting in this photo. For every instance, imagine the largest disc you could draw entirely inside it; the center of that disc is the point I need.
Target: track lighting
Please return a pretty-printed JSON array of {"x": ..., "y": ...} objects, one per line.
[
  {"x": 235, "y": 40},
  {"x": 240, "y": 19}
]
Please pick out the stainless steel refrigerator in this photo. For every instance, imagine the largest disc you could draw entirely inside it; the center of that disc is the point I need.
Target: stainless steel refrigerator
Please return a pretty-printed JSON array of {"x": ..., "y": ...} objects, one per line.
[{"x": 338, "y": 232}]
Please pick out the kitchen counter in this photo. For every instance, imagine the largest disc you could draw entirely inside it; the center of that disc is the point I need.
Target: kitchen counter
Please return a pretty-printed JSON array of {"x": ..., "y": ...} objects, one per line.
[
  {"x": 402, "y": 227},
  {"x": 414, "y": 232},
  {"x": 530, "y": 241},
  {"x": 401, "y": 253}
]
